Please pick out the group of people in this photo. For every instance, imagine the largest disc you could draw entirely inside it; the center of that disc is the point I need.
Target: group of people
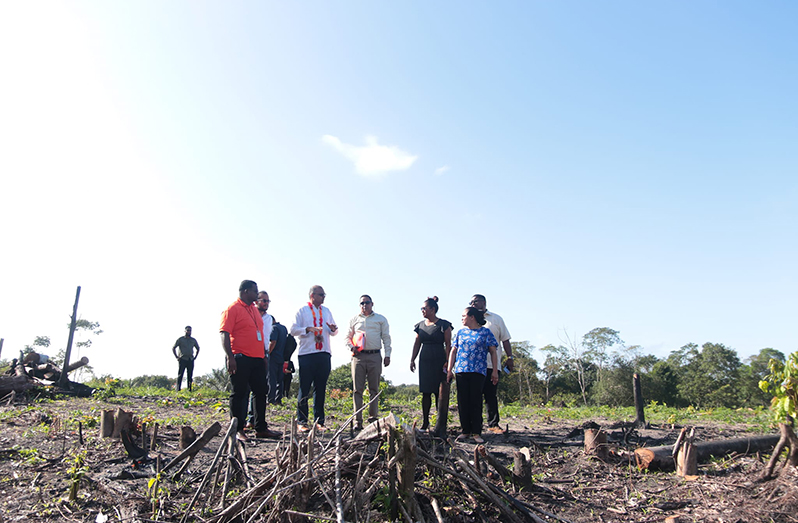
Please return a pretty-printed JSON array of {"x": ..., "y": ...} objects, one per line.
[{"x": 257, "y": 366}]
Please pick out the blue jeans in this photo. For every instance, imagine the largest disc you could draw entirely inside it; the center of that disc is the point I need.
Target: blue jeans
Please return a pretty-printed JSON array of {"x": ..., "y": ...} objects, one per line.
[{"x": 314, "y": 369}]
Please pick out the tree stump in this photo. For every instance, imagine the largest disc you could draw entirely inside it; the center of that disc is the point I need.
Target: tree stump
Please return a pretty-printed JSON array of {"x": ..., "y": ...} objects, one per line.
[
  {"x": 107, "y": 424},
  {"x": 522, "y": 467},
  {"x": 187, "y": 437},
  {"x": 154, "y": 436},
  {"x": 124, "y": 420},
  {"x": 687, "y": 460},
  {"x": 596, "y": 443}
]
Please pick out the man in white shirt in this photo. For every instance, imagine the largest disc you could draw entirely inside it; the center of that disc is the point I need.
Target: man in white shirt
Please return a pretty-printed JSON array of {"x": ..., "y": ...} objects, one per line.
[
  {"x": 368, "y": 332},
  {"x": 313, "y": 326},
  {"x": 502, "y": 335}
]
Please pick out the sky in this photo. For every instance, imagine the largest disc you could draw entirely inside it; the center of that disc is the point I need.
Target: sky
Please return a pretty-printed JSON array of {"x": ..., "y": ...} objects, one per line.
[{"x": 630, "y": 165}]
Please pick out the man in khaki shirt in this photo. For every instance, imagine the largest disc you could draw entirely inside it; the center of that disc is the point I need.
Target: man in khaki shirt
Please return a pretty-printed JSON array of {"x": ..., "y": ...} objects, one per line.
[{"x": 368, "y": 332}]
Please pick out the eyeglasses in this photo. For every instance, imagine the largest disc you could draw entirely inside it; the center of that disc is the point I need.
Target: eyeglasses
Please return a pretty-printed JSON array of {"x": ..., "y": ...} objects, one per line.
[
  {"x": 423, "y": 308},
  {"x": 364, "y": 303}
]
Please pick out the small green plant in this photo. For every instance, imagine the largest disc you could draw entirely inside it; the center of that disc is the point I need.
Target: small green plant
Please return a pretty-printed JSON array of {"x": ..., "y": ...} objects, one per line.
[
  {"x": 109, "y": 391},
  {"x": 157, "y": 494},
  {"x": 76, "y": 468}
]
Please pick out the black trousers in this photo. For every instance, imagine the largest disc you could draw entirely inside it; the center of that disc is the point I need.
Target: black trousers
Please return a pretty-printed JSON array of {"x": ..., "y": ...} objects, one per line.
[
  {"x": 250, "y": 376},
  {"x": 469, "y": 401},
  {"x": 188, "y": 367},
  {"x": 491, "y": 400},
  {"x": 314, "y": 369}
]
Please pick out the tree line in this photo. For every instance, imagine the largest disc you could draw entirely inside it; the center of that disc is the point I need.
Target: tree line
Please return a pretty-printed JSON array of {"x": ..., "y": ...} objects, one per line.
[{"x": 597, "y": 369}]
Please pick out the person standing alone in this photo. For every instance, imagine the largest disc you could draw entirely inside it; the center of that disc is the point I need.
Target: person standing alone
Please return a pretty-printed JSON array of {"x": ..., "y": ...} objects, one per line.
[{"x": 186, "y": 357}]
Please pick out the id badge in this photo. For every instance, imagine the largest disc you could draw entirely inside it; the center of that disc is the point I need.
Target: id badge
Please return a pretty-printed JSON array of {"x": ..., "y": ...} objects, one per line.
[{"x": 260, "y": 337}]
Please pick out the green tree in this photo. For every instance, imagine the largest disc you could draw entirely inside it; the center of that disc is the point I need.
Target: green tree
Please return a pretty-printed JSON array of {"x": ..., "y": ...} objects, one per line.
[
  {"x": 755, "y": 370},
  {"x": 555, "y": 366},
  {"x": 522, "y": 384},
  {"x": 711, "y": 377},
  {"x": 340, "y": 378},
  {"x": 661, "y": 383},
  {"x": 38, "y": 345},
  {"x": 580, "y": 360},
  {"x": 597, "y": 344},
  {"x": 217, "y": 379}
]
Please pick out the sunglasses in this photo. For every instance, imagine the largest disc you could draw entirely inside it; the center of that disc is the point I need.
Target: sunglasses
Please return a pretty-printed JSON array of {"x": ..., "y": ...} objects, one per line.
[{"x": 362, "y": 303}]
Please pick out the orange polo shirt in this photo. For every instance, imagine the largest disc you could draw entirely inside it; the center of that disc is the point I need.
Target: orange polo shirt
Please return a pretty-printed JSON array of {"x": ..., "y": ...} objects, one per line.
[{"x": 243, "y": 323}]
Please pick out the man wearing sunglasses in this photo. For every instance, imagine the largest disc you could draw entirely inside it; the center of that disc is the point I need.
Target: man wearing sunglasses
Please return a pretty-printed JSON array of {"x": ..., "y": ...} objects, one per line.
[
  {"x": 368, "y": 333},
  {"x": 313, "y": 327}
]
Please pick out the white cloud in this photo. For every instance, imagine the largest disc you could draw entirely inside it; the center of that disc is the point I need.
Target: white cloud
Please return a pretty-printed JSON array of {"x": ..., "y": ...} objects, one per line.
[
  {"x": 372, "y": 158},
  {"x": 440, "y": 170}
]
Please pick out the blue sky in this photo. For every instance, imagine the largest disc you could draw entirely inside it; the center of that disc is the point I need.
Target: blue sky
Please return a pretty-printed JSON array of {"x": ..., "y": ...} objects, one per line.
[{"x": 627, "y": 165}]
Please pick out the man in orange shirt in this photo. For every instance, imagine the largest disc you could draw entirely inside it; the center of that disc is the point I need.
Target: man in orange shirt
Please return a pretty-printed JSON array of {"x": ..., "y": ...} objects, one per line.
[{"x": 245, "y": 355}]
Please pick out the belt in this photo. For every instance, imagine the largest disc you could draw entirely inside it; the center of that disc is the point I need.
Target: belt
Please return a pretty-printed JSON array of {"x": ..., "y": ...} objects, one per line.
[{"x": 370, "y": 351}]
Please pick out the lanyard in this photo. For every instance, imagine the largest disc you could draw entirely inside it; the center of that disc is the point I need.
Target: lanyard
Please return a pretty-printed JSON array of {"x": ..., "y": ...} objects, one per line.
[{"x": 319, "y": 338}]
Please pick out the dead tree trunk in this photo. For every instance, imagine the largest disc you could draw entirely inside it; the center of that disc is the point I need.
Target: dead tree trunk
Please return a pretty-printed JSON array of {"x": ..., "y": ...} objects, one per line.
[
  {"x": 14, "y": 383},
  {"x": 640, "y": 419},
  {"x": 443, "y": 410},
  {"x": 789, "y": 440},
  {"x": 522, "y": 466},
  {"x": 187, "y": 437},
  {"x": 107, "y": 424},
  {"x": 123, "y": 421},
  {"x": 661, "y": 458},
  {"x": 686, "y": 456},
  {"x": 63, "y": 382},
  {"x": 596, "y": 443}
]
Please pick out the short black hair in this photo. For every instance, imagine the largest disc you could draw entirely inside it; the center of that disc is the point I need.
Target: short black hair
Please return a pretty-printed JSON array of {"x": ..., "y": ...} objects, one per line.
[
  {"x": 477, "y": 315},
  {"x": 246, "y": 285},
  {"x": 366, "y": 296},
  {"x": 188, "y": 327}
]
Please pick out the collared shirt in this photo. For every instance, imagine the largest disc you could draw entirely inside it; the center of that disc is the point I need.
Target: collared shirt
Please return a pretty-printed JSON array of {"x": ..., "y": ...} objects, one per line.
[
  {"x": 186, "y": 345},
  {"x": 268, "y": 324},
  {"x": 245, "y": 327},
  {"x": 307, "y": 340},
  {"x": 500, "y": 332},
  {"x": 376, "y": 330}
]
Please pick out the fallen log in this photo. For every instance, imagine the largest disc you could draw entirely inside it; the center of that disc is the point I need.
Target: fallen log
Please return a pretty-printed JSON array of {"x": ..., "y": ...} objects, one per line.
[
  {"x": 661, "y": 458},
  {"x": 77, "y": 364},
  {"x": 17, "y": 384}
]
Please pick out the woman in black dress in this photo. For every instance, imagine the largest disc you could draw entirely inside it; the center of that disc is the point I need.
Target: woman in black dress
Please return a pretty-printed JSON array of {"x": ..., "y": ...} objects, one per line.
[{"x": 434, "y": 339}]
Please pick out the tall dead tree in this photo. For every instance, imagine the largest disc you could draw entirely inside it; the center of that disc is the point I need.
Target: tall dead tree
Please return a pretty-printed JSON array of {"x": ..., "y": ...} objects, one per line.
[
  {"x": 64, "y": 381},
  {"x": 640, "y": 419}
]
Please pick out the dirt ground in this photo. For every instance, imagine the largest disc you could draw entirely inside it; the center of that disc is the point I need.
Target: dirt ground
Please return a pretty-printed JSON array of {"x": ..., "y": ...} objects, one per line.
[{"x": 41, "y": 455}]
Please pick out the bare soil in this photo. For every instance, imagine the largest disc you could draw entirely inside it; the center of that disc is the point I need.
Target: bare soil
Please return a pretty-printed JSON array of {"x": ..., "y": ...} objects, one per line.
[{"x": 39, "y": 444}]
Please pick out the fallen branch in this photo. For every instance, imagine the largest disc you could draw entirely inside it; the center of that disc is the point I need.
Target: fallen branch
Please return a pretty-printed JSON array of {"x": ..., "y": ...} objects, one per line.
[{"x": 195, "y": 447}]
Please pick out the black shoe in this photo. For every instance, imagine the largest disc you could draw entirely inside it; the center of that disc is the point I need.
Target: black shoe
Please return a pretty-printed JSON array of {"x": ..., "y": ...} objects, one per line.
[{"x": 268, "y": 434}]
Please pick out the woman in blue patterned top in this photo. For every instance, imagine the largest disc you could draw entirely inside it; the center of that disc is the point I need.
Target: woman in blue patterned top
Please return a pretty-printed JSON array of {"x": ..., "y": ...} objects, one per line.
[{"x": 468, "y": 362}]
